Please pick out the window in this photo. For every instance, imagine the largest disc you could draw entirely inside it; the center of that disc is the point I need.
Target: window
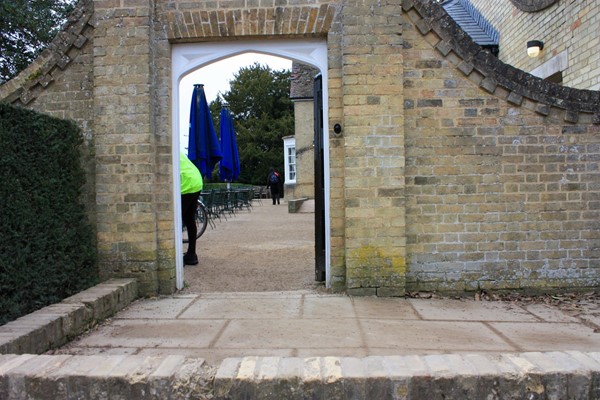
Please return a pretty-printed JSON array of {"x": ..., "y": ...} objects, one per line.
[
  {"x": 291, "y": 163},
  {"x": 289, "y": 146}
]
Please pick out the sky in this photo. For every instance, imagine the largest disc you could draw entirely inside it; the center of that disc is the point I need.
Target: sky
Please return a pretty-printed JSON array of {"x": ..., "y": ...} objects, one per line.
[{"x": 215, "y": 78}]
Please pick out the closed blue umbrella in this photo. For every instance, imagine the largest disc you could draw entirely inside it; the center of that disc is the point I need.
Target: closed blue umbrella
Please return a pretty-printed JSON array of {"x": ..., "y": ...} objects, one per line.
[
  {"x": 229, "y": 167},
  {"x": 203, "y": 146}
]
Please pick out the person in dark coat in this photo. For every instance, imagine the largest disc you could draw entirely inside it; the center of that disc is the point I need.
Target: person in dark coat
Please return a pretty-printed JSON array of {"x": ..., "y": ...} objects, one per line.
[{"x": 273, "y": 181}]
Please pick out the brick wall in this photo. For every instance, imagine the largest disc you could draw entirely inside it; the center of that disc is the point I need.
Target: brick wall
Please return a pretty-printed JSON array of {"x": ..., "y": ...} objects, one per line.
[
  {"x": 106, "y": 71},
  {"x": 111, "y": 72},
  {"x": 337, "y": 156},
  {"x": 374, "y": 148},
  {"x": 125, "y": 144},
  {"x": 498, "y": 196},
  {"x": 227, "y": 20},
  {"x": 453, "y": 171},
  {"x": 570, "y": 26}
]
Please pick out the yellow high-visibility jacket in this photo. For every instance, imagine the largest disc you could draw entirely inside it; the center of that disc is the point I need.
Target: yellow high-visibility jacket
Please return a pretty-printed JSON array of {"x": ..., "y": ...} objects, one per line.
[{"x": 191, "y": 179}]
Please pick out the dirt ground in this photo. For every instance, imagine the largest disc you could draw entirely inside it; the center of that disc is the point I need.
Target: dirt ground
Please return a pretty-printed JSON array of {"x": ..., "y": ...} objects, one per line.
[{"x": 264, "y": 249}]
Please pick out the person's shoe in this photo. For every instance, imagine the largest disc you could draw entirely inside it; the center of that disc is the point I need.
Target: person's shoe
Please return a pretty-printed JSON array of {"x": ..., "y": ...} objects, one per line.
[{"x": 190, "y": 259}]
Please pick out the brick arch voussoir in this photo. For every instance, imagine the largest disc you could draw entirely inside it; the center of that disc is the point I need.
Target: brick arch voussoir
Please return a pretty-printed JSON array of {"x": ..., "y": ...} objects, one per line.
[
  {"x": 289, "y": 21},
  {"x": 520, "y": 85},
  {"x": 65, "y": 47}
]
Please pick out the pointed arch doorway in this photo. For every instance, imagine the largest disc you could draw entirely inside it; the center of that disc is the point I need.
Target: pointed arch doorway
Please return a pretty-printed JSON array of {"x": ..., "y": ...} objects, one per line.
[{"x": 190, "y": 56}]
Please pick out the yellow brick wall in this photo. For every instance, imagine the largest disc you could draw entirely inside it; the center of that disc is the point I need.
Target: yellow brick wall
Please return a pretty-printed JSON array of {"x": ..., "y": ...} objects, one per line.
[
  {"x": 447, "y": 176},
  {"x": 498, "y": 197},
  {"x": 373, "y": 148}
]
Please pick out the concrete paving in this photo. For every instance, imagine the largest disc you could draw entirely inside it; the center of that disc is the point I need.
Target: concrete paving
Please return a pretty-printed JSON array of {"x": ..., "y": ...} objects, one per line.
[
  {"x": 300, "y": 344},
  {"x": 215, "y": 326}
]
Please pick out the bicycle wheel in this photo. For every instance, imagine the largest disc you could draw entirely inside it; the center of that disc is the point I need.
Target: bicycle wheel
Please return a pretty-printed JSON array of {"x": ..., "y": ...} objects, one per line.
[
  {"x": 201, "y": 221},
  {"x": 201, "y": 218}
]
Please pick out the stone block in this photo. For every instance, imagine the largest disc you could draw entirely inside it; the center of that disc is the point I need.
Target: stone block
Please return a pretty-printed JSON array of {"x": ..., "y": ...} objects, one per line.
[
  {"x": 515, "y": 98},
  {"x": 31, "y": 377},
  {"x": 54, "y": 325},
  {"x": 489, "y": 85},
  {"x": 75, "y": 318},
  {"x": 108, "y": 298},
  {"x": 8, "y": 363},
  {"x": 225, "y": 375},
  {"x": 571, "y": 116},
  {"x": 295, "y": 204},
  {"x": 391, "y": 291}
]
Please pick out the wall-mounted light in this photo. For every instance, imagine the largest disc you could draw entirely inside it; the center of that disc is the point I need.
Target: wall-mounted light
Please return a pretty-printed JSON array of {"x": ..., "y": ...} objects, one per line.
[{"x": 534, "y": 47}]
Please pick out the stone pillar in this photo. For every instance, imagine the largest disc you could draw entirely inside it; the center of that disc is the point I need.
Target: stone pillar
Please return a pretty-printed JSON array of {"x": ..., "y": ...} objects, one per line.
[
  {"x": 124, "y": 143},
  {"x": 374, "y": 165}
]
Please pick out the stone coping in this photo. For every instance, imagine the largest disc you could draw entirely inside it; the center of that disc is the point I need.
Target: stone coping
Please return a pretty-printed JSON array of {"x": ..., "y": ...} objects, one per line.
[
  {"x": 494, "y": 74},
  {"x": 557, "y": 375},
  {"x": 55, "y": 325}
]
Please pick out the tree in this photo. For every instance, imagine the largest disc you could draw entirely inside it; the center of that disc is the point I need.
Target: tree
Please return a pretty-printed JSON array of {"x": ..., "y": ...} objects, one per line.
[
  {"x": 259, "y": 100},
  {"x": 26, "y": 28}
]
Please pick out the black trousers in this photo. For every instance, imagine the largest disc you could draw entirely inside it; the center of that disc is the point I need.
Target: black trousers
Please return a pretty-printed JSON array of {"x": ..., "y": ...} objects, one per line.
[
  {"x": 189, "y": 205},
  {"x": 275, "y": 194}
]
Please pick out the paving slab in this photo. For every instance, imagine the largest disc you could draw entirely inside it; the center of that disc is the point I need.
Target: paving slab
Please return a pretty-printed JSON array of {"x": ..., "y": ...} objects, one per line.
[
  {"x": 549, "y": 314},
  {"x": 290, "y": 333},
  {"x": 328, "y": 307},
  {"x": 215, "y": 356},
  {"x": 332, "y": 352},
  {"x": 165, "y": 308},
  {"x": 85, "y": 349},
  {"x": 153, "y": 333},
  {"x": 468, "y": 310},
  {"x": 215, "y": 326},
  {"x": 319, "y": 345},
  {"x": 244, "y": 308},
  {"x": 432, "y": 335},
  {"x": 383, "y": 308},
  {"x": 591, "y": 318},
  {"x": 549, "y": 336}
]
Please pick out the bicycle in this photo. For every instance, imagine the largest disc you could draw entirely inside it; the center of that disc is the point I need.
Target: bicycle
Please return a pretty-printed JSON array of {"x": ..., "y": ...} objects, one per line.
[{"x": 201, "y": 221}]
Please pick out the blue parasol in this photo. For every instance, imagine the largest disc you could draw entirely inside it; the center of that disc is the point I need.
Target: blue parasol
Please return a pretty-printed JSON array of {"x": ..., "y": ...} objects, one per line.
[
  {"x": 203, "y": 146},
  {"x": 229, "y": 167}
]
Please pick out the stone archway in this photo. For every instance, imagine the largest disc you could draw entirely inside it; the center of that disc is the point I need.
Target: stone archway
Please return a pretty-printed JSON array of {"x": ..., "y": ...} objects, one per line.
[
  {"x": 424, "y": 113},
  {"x": 191, "y": 56}
]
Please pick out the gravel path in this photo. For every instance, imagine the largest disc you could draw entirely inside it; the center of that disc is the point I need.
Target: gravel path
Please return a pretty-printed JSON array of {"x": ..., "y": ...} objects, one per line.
[{"x": 264, "y": 249}]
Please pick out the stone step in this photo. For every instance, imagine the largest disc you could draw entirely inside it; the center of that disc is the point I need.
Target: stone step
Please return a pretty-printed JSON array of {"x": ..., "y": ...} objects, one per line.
[{"x": 559, "y": 375}]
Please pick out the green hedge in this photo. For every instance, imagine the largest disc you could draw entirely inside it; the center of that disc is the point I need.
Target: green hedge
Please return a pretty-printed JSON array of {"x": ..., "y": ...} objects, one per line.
[{"x": 47, "y": 251}]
